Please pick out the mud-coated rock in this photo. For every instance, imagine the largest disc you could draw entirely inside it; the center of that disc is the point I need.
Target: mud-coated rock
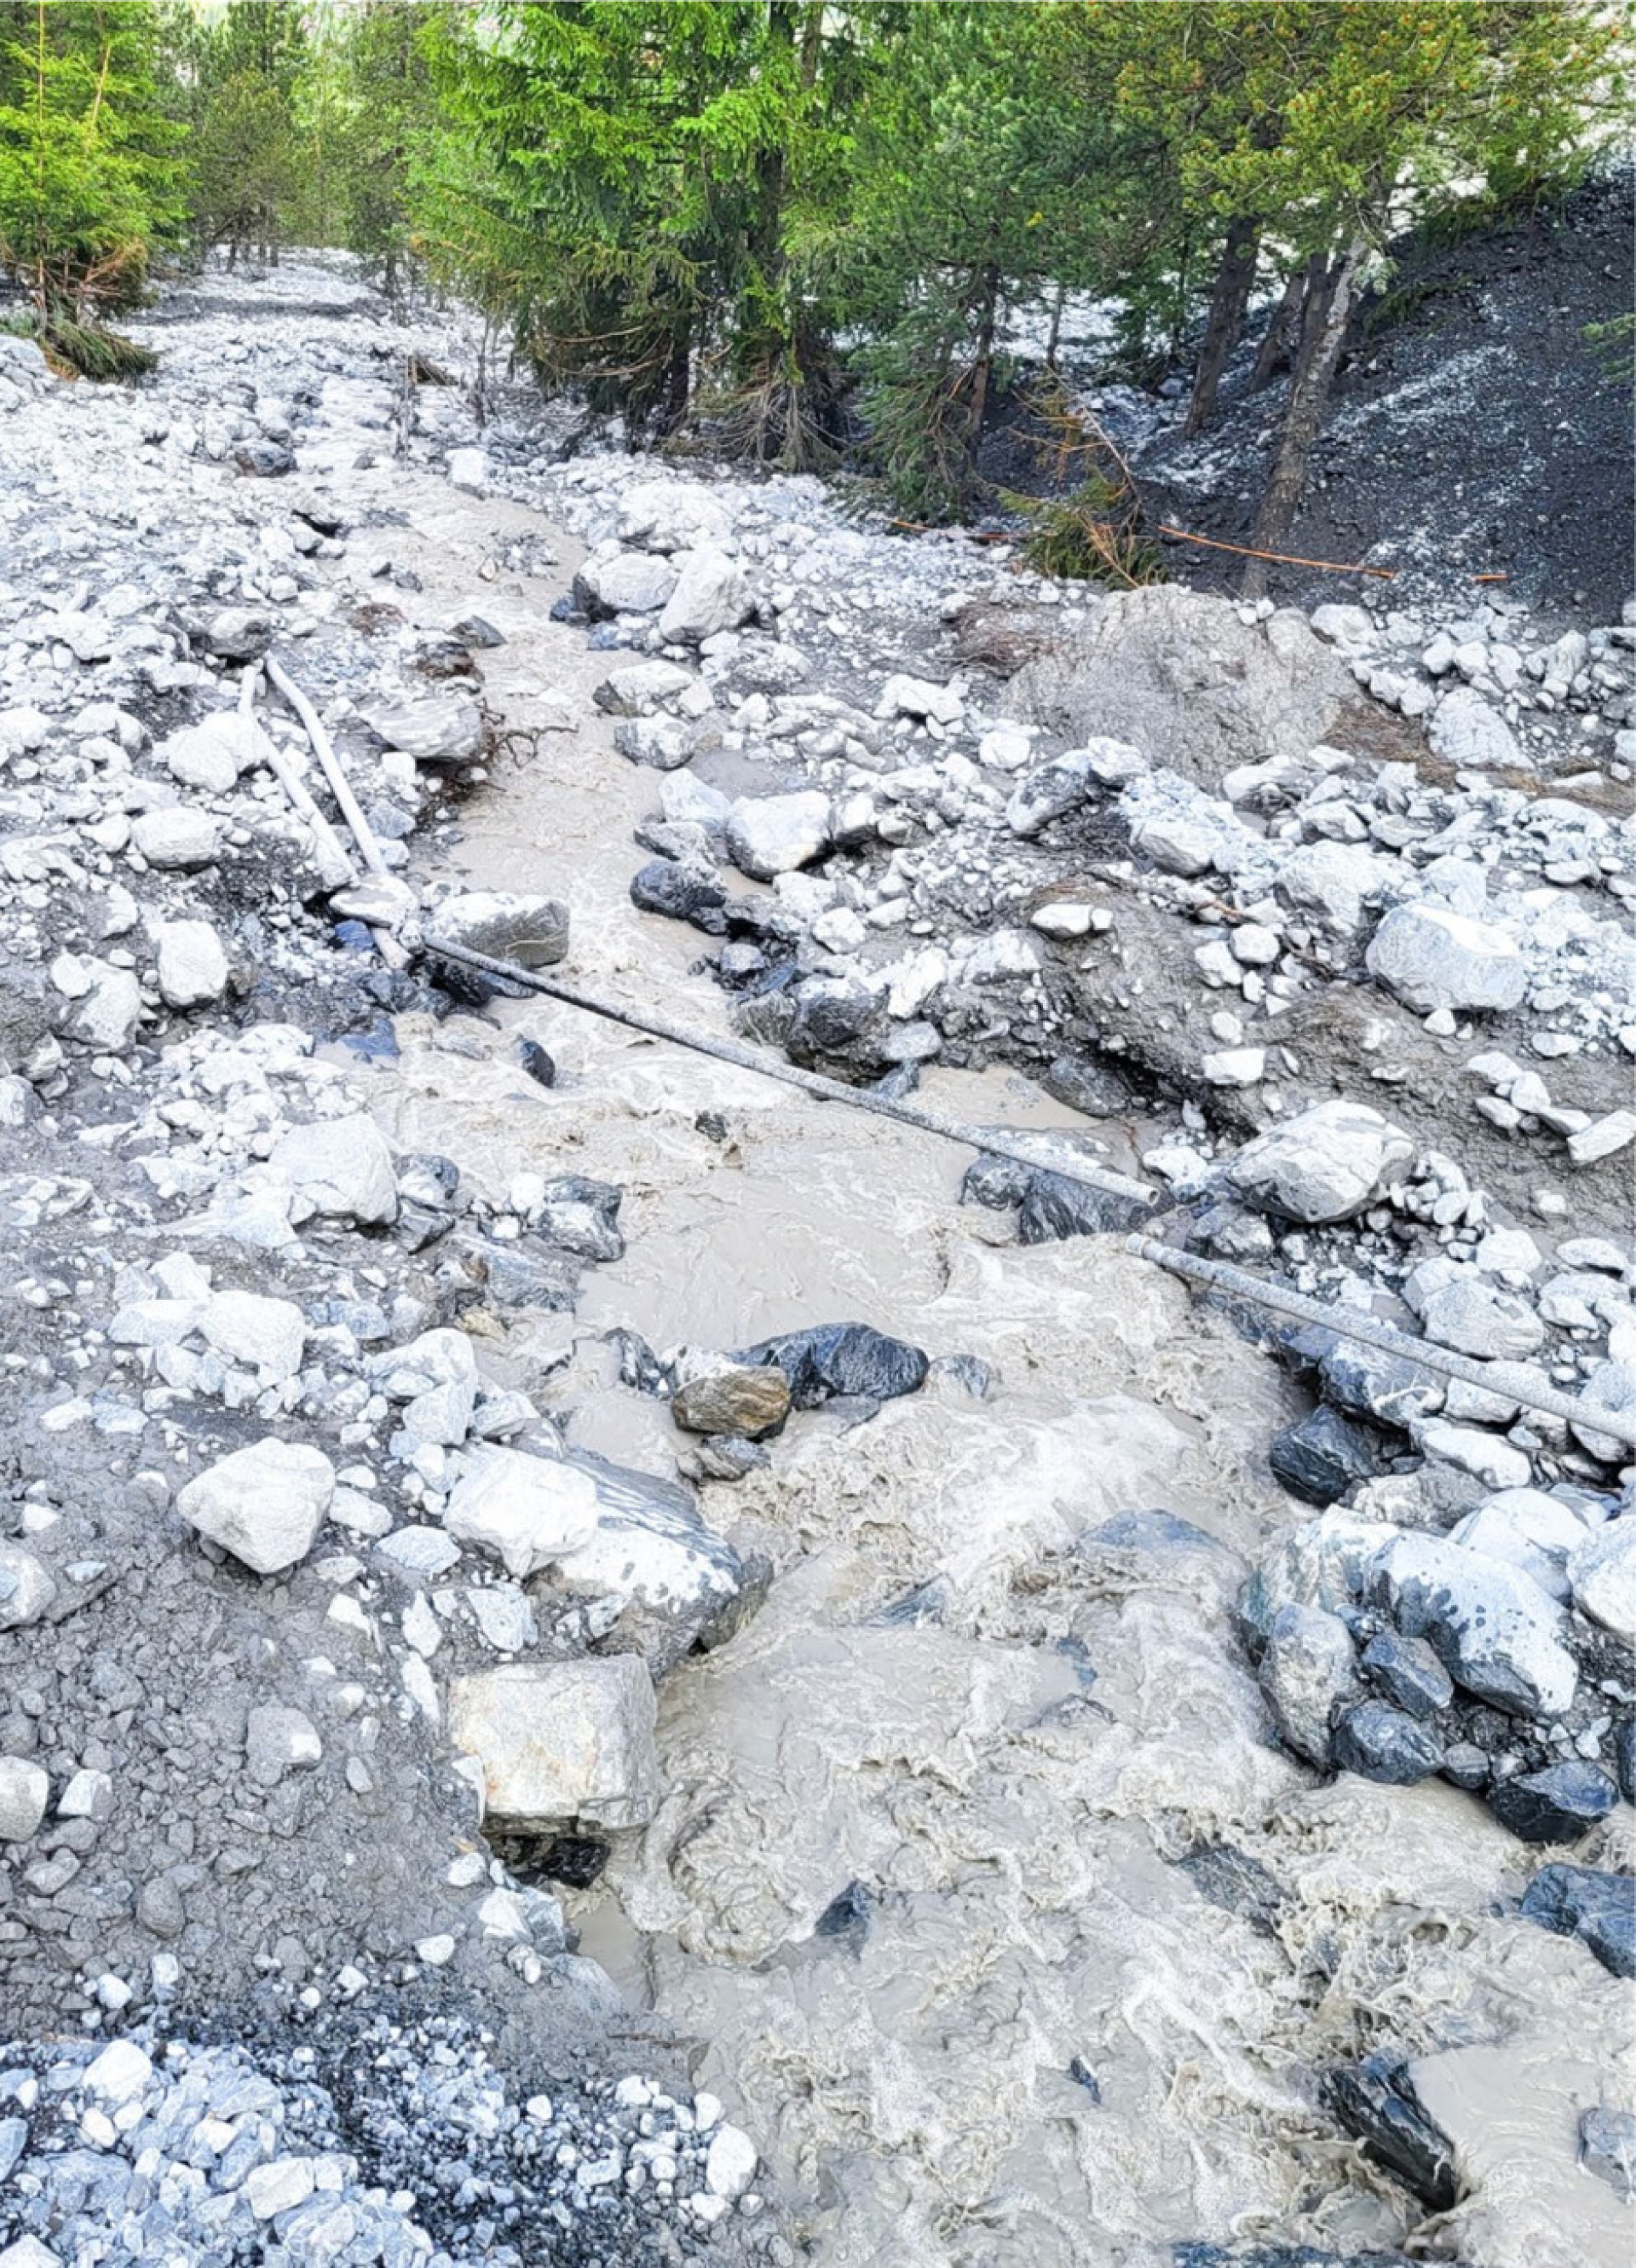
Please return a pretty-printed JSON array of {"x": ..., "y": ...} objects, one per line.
[
  {"x": 507, "y": 925},
  {"x": 751, "y": 1400},
  {"x": 1558, "y": 1805},
  {"x": 1607, "y": 2148},
  {"x": 841, "y": 1358},
  {"x": 1177, "y": 673},
  {"x": 1326, "y": 1164},
  {"x": 1585, "y": 1901},
  {"x": 1307, "y": 1672},
  {"x": 562, "y": 1741},
  {"x": 265, "y": 1504},
  {"x": 440, "y": 729}
]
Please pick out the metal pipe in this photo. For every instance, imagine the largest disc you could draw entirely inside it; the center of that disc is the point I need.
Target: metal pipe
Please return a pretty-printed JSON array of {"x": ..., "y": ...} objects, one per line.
[
  {"x": 811, "y": 1082},
  {"x": 1341, "y": 1323},
  {"x": 1497, "y": 1378}
]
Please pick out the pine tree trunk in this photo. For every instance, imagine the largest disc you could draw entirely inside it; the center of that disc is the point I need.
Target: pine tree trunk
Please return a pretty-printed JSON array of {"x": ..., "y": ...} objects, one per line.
[
  {"x": 988, "y": 308},
  {"x": 1234, "y": 280},
  {"x": 1055, "y": 339},
  {"x": 1324, "y": 336},
  {"x": 1284, "y": 327}
]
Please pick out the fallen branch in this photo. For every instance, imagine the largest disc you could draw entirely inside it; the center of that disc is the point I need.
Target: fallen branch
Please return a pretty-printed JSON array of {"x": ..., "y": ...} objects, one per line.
[
  {"x": 1279, "y": 559},
  {"x": 334, "y": 866},
  {"x": 323, "y": 749},
  {"x": 391, "y": 952}
]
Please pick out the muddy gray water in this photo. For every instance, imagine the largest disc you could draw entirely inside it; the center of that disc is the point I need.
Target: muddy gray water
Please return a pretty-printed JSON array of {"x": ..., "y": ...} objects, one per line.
[{"x": 1022, "y": 2037}]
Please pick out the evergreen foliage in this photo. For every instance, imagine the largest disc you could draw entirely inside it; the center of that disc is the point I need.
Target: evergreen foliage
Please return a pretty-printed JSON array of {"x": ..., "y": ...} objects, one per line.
[{"x": 789, "y": 230}]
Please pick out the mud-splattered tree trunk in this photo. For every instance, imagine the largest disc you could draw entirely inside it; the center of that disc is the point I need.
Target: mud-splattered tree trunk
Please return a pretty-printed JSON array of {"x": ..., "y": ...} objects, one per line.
[
  {"x": 1234, "y": 281},
  {"x": 1322, "y": 340},
  {"x": 1283, "y": 331}
]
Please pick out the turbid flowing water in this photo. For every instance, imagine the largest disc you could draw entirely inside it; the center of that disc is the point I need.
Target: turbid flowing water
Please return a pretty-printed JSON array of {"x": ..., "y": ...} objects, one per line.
[{"x": 929, "y": 1883}]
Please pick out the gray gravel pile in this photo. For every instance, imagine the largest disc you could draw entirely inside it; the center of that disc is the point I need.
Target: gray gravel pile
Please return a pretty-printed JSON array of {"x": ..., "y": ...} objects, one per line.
[{"x": 375, "y": 2141}]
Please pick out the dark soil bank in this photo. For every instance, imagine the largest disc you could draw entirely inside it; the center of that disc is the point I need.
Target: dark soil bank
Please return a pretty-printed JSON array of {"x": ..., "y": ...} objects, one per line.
[{"x": 1473, "y": 429}]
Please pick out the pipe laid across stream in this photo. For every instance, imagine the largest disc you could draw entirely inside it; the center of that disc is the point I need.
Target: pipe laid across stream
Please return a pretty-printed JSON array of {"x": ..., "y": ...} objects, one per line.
[{"x": 1341, "y": 1323}]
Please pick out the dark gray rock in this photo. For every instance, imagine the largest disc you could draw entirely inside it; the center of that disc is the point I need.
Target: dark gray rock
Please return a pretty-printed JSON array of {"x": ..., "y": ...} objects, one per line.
[
  {"x": 1323, "y": 1454},
  {"x": 1466, "y": 1765},
  {"x": 680, "y": 892},
  {"x": 1231, "y": 1879},
  {"x": 1557, "y": 1805},
  {"x": 1377, "y": 2102},
  {"x": 1624, "y": 1757},
  {"x": 836, "y": 1018},
  {"x": 1409, "y": 1673},
  {"x": 1055, "y": 1206},
  {"x": 1194, "y": 2254},
  {"x": 841, "y": 1358},
  {"x": 1096, "y": 1089},
  {"x": 264, "y": 460},
  {"x": 1367, "y": 1383},
  {"x": 1382, "y": 1744},
  {"x": 581, "y": 1217},
  {"x": 1583, "y": 1901}
]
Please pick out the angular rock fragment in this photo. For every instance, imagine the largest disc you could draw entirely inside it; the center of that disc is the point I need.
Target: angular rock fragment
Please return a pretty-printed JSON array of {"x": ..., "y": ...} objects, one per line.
[
  {"x": 562, "y": 1741},
  {"x": 264, "y": 1504}
]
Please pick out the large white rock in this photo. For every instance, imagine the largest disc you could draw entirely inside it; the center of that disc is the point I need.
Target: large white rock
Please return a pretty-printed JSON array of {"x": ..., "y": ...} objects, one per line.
[
  {"x": 1529, "y": 1530},
  {"x": 1496, "y": 1633},
  {"x": 1332, "y": 882},
  {"x": 711, "y": 594},
  {"x": 468, "y": 470},
  {"x": 107, "y": 1000},
  {"x": 439, "y": 728},
  {"x": 25, "y": 1586},
  {"x": 174, "y": 838},
  {"x": 270, "y": 1335},
  {"x": 628, "y": 583},
  {"x": 264, "y": 1504},
  {"x": 1466, "y": 732},
  {"x": 904, "y": 695},
  {"x": 211, "y": 754},
  {"x": 341, "y": 1166},
  {"x": 671, "y": 516},
  {"x": 1603, "y": 1572},
  {"x": 530, "y": 1511},
  {"x": 1475, "y": 1318},
  {"x": 436, "y": 1376},
  {"x": 192, "y": 963},
  {"x": 1326, "y": 1164},
  {"x": 562, "y": 1741},
  {"x": 25, "y": 1791},
  {"x": 770, "y": 835},
  {"x": 1432, "y": 957}
]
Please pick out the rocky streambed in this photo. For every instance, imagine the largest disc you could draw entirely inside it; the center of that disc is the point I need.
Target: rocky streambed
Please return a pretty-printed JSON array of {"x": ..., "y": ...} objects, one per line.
[{"x": 605, "y": 1661}]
